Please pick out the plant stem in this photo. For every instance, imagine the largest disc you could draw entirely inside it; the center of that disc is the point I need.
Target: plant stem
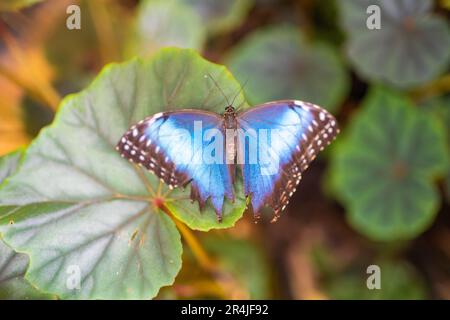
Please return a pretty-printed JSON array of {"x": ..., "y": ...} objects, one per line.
[
  {"x": 205, "y": 261},
  {"x": 435, "y": 88},
  {"x": 230, "y": 288}
]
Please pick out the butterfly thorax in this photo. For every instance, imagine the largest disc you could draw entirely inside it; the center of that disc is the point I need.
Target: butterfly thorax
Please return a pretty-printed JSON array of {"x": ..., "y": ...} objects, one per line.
[{"x": 229, "y": 117}]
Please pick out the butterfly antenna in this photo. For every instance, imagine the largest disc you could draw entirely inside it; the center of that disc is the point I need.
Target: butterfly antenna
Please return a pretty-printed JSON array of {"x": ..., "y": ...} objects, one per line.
[
  {"x": 220, "y": 89},
  {"x": 239, "y": 92}
]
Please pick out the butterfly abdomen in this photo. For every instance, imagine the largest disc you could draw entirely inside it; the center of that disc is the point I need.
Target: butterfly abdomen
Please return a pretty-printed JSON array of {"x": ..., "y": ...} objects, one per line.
[{"x": 229, "y": 128}]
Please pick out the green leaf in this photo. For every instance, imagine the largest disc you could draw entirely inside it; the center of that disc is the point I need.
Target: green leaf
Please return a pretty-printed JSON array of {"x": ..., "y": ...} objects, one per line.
[
  {"x": 279, "y": 64},
  {"x": 440, "y": 108},
  {"x": 14, "y": 265},
  {"x": 13, "y": 5},
  {"x": 188, "y": 211},
  {"x": 384, "y": 167},
  {"x": 411, "y": 47},
  {"x": 12, "y": 269},
  {"x": 398, "y": 281},
  {"x": 221, "y": 16},
  {"x": 162, "y": 23},
  {"x": 9, "y": 164},
  {"x": 76, "y": 202}
]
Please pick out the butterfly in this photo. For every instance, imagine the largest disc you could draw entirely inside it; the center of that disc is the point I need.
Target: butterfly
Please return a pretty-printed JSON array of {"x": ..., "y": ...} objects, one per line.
[{"x": 272, "y": 144}]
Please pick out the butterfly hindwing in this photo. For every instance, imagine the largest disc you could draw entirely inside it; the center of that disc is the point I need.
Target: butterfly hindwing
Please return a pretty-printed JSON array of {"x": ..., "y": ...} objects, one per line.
[
  {"x": 296, "y": 131},
  {"x": 172, "y": 146}
]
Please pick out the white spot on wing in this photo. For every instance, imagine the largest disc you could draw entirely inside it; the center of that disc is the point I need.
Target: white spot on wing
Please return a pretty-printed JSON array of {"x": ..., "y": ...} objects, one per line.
[{"x": 322, "y": 116}]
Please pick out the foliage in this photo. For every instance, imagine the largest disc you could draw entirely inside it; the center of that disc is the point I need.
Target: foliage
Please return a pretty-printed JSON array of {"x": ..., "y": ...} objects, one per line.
[
  {"x": 278, "y": 63},
  {"x": 411, "y": 47},
  {"x": 14, "y": 265},
  {"x": 68, "y": 199},
  {"x": 155, "y": 26},
  {"x": 399, "y": 281},
  {"x": 83, "y": 192},
  {"x": 384, "y": 168},
  {"x": 16, "y": 4}
]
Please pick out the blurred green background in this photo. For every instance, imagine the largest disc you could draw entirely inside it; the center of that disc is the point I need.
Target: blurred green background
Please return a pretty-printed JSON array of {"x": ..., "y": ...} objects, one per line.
[{"x": 379, "y": 195}]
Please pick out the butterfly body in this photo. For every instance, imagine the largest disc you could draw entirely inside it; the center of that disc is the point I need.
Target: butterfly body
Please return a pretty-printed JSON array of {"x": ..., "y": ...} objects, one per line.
[
  {"x": 229, "y": 118},
  {"x": 272, "y": 144}
]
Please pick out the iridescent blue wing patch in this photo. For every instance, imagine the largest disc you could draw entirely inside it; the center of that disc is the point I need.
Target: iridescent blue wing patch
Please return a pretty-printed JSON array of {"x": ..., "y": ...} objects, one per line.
[
  {"x": 290, "y": 133},
  {"x": 176, "y": 147}
]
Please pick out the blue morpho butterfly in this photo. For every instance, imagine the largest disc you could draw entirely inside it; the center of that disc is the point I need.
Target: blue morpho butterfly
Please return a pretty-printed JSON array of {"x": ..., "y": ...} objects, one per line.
[{"x": 272, "y": 143}]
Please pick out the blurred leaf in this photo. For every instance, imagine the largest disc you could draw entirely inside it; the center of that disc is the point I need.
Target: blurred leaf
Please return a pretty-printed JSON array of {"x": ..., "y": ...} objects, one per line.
[
  {"x": 35, "y": 116},
  {"x": 383, "y": 169},
  {"x": 107, "y": 29},
  {"x": 162, "y": 23},
  {"x": 411, "y": 47},
  {"x": 12, "y": 131},
  {"x": 22, "y": 59},
  {"x": 220, "y": 16},
  {"x": 279, "y": 64},
  {"x": 398, "y": 281},
  {"x": 7, "y": 5},
  {"x": 104, "y": 29},
  {"x": 105, "y": 220},
  {"x": 326, "y": 22},
  {"x": 245, "y": 261},
  {"x": 232, "y": 278},
  {"x": 27, "y": 67},
  {"x": 440, "y": 109},
  {"x": 445, "y": 4},
  {"x": 14, "y": 265}
]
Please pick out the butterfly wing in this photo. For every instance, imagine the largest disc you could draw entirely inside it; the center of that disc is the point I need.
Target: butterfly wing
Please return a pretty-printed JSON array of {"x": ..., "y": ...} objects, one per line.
[
  {"x": 294, "y": 132},
  {"x": 172, "y": 145}
]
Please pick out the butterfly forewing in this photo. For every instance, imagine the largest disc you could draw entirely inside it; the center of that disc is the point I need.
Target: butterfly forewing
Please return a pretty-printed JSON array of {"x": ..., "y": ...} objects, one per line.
[
  {"x": 165, "y": 145},
  {"x": 138, "y": 147}
]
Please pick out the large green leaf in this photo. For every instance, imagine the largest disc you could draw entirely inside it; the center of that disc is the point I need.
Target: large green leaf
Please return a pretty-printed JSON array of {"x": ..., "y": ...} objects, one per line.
[
  {"x": 279, "y": 64},
  {"x": 411, "y": 47},
  {"x": 384, "y": 167},
  {"x": 12, "y": 269},
  {"x": 13, "y": 265},
  {"x": 8, "y": 164},
  {"x": 75, "y": 203}
]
